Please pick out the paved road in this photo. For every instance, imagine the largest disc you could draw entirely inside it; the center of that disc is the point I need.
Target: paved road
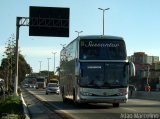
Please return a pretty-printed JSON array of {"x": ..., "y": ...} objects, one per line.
[
  {"x": 134, "y": 108},
  {"x": 37, "y": 109}
]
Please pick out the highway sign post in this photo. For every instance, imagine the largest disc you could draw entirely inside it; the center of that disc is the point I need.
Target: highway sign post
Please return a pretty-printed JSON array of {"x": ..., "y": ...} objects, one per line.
[{"x": 43, "y": 21}]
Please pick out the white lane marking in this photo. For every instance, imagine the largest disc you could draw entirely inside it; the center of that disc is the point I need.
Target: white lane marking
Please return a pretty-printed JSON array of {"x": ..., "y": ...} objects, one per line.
[
  {"x": 129, "y": 109},
  {"x": 57, "y": 108}
]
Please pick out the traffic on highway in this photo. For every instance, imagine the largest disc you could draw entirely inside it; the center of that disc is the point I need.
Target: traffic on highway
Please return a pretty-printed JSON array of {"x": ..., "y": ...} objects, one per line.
[
  {"x": 135, "y": 108},
  {"x": 80, "y": 59}
]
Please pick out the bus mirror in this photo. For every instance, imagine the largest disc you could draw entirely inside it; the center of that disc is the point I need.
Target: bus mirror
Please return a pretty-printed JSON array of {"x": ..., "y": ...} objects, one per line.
[{"x": 132, "y": 69}]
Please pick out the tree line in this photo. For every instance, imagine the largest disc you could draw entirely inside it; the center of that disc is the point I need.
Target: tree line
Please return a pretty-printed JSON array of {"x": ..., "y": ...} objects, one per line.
[{"x": 8, "y": 63}]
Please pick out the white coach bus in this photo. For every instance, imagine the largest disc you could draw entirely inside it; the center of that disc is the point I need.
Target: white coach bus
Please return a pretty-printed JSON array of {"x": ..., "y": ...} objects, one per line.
[{"x": 95, "y": 69}]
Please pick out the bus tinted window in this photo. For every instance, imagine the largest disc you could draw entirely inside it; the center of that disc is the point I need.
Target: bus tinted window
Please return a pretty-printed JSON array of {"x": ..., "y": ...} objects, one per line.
[{"x": 102, "y": 49}]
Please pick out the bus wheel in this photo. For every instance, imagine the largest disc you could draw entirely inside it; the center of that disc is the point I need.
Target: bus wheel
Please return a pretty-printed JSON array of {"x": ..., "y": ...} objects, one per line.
[
  {"x": 64, "y": 99},
  {"x": 115, "y": 104}
]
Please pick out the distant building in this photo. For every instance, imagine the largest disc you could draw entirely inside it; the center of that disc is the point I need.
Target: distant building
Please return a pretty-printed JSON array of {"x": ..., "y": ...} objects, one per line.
[
  {"x": 142, "y": 58},
  {"x": 155, "y": 59},
  {"x": 147, "y": 68}
]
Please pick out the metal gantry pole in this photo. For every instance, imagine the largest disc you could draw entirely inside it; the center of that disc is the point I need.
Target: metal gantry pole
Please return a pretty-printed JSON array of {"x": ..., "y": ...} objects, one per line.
[
  {"x": 17, "y": 57},
  {"x": 26, "y": 21}
]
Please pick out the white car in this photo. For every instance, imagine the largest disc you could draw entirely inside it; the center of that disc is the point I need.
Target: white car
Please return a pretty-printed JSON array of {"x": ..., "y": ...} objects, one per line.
[{"x": 52, "y": 88}]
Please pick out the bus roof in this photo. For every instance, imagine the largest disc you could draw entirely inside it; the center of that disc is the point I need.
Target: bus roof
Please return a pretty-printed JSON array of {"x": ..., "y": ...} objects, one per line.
[
  {"x": 100, "y": 36},
  {"x": 95, "y": 37}
]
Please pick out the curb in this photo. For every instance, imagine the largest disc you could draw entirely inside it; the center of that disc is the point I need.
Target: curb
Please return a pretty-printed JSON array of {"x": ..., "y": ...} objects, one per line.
[
  {"x": 65, "y": 115},
  {"x": 26, "y": 112}
]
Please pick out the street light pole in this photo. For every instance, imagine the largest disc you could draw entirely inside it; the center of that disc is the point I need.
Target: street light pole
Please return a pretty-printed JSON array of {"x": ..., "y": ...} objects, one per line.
[
  {"x": 103, "y": 16},
  {"x": 40, "y": 66},
  {"x": 54, "y": 53},
  {"x": 48, "y": 68},
  {"x": 79, "y": 32}
]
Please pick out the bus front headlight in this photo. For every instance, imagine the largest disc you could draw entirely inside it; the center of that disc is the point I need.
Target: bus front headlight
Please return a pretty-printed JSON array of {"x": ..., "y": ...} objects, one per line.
[{"x": 123, "y": 91}]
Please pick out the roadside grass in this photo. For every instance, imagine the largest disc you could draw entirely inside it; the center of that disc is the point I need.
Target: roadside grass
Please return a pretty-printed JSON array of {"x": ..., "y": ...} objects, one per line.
[{"x": 11, "y": 108}]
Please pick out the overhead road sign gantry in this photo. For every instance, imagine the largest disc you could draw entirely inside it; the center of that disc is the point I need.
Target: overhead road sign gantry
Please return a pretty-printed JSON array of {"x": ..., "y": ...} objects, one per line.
[{"x": 49, "y": 21}]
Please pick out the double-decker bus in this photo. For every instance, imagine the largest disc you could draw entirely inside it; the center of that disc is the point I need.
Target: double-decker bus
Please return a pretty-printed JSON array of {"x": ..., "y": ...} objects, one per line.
[{"x": 95, "y": 69}]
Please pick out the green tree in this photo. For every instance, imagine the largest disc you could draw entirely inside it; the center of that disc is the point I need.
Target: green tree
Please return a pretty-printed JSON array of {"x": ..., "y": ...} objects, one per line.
[
  {"x": 7, "y": 68},
  {"x": 7, "y": 64},
  {"x": 23, "y": 68}
]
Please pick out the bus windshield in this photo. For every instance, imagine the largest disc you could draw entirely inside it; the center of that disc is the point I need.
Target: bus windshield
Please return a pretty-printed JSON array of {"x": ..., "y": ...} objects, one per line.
[
  {"x": 102, "y": 49},
  {"x": 104, "y": 75}
]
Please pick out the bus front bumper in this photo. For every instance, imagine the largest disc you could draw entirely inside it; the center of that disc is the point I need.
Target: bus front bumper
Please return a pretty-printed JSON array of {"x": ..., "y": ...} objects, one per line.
[{"x": 108, "y": 99}]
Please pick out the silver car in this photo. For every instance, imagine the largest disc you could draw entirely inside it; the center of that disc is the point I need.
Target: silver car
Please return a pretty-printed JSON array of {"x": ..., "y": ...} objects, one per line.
[{"x": 52, "y": 88}]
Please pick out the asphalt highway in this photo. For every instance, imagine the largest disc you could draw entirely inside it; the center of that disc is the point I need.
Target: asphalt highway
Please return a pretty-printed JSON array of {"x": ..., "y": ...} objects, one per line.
[{"x": 52, "y": 104}]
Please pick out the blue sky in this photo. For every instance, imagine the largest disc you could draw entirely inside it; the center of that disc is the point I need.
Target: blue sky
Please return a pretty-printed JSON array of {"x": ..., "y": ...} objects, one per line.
[{"x": 137, "y": 21}]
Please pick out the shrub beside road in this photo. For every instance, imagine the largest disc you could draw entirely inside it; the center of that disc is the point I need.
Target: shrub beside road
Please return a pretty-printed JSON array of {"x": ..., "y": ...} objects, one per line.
[{"x": 11, "y": 107}]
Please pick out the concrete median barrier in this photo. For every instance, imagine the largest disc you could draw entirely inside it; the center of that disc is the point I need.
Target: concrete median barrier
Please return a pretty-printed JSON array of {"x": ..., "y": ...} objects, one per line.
[{"x": 145, "y": 95}]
